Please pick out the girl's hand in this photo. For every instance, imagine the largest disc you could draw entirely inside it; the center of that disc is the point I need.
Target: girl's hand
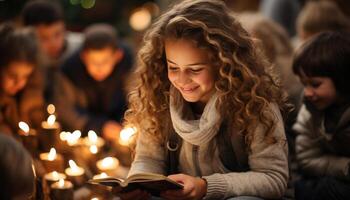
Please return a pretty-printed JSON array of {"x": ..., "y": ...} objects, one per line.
[
  {"x": 132, "y": 195},
  {"x": 194, "y": 188}
]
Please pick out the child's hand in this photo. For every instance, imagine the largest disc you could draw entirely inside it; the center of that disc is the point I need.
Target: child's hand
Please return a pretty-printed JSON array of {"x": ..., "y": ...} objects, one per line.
[
  {"x": 132, "y": 195},
  {"x": 194, "y": 188}
]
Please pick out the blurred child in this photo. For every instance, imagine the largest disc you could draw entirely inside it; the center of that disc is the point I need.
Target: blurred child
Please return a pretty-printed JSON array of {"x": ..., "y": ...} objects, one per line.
[
  {"x": 16, "y": 172},
  {"x": 200, "y": 80},
  {"x": 21, "y": 92},
  {"x": 92, "y": 95},
  {"x": 275, "y": 44},
  {"x": 56, "y": 43},
  {"x": 318, "y": 16},
  {"x": 48, "y": 20},
  {"x": 323, "y": 123}
]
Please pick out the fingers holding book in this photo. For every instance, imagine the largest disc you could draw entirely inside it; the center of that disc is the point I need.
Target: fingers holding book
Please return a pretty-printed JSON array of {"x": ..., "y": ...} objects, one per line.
[{"x": 193, "y": 188}]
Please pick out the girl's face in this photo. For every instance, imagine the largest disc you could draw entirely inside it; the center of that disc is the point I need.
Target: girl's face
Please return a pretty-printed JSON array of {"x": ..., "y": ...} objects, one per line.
[
  {"x": 15, "y": 76},
  {"x": 320, "y": 91},
  {"x": 189, "y": 70}
]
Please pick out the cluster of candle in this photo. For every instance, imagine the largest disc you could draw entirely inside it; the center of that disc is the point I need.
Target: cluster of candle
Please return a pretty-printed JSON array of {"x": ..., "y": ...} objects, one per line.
[{"x": 59, "y": 178}]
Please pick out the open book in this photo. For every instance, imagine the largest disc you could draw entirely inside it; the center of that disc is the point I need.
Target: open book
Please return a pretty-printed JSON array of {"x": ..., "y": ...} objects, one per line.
[{"x": 153, "y": 183}]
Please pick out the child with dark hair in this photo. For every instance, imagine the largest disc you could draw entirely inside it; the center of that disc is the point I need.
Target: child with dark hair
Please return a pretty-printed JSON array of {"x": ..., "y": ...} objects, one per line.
[
  {"x": 56, "y": 43},
  {"x": 91, "y": 96},
  {"x": 48, "y": 19},
  {"x": 16, "y": 171},
  {"x": 323, "y": 122},
  {"x": 21, "y": 92}
]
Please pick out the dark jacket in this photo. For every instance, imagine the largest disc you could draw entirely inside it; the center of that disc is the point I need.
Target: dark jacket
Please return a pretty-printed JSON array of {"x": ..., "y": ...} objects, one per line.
[
  {"x": 85, "y": 104},
  {"x": 323, "y": 149}
]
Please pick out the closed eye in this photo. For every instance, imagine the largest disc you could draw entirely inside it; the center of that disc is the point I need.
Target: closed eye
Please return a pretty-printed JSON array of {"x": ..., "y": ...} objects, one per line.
[
  {"x": 172, "y": 68},
  {"x": 196, "y": 70}
]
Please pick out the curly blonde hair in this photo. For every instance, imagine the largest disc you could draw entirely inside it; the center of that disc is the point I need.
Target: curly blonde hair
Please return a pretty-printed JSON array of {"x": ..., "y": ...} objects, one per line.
[{"x": 244, "y": 86}]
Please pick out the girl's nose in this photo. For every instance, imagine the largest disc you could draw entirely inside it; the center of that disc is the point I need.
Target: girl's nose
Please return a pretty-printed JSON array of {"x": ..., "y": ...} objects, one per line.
[{"x": 183, "y": 78}]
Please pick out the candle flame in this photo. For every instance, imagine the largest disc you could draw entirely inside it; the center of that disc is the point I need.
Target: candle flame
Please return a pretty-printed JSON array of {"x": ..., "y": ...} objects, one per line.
[
  {"x": 64, "y": 135},
  {"x": 93, "y": 149},
  {"x": 103, "y": 175},
  {"x": 61, "y": 183},
  {"x": 51, "y": 120},
  {"x": 107, "y": 161},
  {"x": 52, "y": 154},
  {"x": 126, "y": 134},
  {"x": 92, "y": 137},
  {"x": 55, "y": 175},
  {"x": 73, "y": 165},
  {"x": 95, "y": 198},
  {"x": 51, "y": 109},
  {"x": 73, "y": 138},
  {"x": 23, "y": 126}
]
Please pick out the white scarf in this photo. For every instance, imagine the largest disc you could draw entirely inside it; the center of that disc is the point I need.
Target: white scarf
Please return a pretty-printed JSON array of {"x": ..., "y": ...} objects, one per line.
[{"x": 199, "y": 131}]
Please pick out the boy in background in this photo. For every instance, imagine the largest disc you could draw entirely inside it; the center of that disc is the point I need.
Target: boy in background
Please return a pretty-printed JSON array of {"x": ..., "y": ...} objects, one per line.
[{"x": 91, "y": 95}]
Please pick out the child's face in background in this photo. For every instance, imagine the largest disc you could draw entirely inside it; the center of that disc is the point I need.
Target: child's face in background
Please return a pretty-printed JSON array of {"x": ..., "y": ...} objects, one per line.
[
  {"x": 189, "y": 70},
  {"x": 320, "y": 91},
  {"x": 51, "y": 38},
  {"x": 100, "y": 63},
  {"x": 15, "y": 77}
]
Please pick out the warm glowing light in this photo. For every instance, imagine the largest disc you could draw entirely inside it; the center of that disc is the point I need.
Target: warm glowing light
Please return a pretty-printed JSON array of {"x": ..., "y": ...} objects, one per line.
[
  {"x": 126, "y": 134},
  {"x": 140, "y": 19},
  {"x": 52, "y": 154},
  {"x": 108, "y": 163},
  {"x": 64, "y": 135},
  {"x": 51, "y": 109},
  {"x": 92, "y": 137},
  {"x": 95, "y": 198},
  {"x": 102, "y": 175},
  {"x": 55, "y": 175},
  {"x": 74, "y": 169},
  {"x": 61, "y": 183},
  {"x": 73, "y": 138},
  {"x": 72, "y": 164},
  {"x": 93, "y": 149},
  {"x": 51, "y": 120},
  {"x": 23, "y": 126}
]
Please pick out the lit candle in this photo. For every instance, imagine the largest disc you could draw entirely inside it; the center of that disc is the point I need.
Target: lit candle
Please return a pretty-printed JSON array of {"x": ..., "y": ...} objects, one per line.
[
  {"x": 73, "y": 138},
  {"x": 50, "y": 130},
  {"x": 108, "y": 165},
  {"x": 93, "y": 139},
  {"x": 29, "y": 138},
  {"x": 50, "y": 123},
  {"x": 52, "y": 161},
  {"x": 54, "y": 176},
  {"x": 126, "y": 135},
  {"x": 62, "y": 190},
  {"x": 74, "y": 169},
  {"x": 75, "y": 173},
  {"x": 50, "y": 178},
  {"x": 99, "y": 176}
]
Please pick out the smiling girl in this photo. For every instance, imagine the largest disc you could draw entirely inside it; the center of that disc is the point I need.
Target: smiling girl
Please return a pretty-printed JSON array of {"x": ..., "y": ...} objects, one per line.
[{"x": 200, "y": 79}]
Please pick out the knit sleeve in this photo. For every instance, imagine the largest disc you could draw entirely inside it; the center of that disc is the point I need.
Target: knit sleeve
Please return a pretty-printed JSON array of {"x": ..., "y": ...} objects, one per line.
[{"x": 268, "y": 173}]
